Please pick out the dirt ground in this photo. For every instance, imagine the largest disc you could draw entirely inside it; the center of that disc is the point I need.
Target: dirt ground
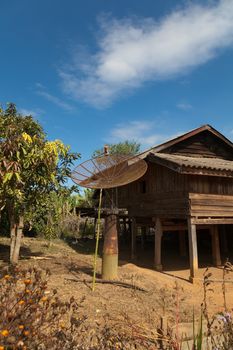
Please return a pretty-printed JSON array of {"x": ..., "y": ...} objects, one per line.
[{"x": 168, "y": 293}]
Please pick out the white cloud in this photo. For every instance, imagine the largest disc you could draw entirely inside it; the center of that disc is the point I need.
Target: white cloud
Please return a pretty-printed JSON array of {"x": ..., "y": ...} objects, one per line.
[
  {"x": 134, "y": 51},
  {"x": 41, "y": 90},
  {"x": 184, "y": 106},
  {"x": 140, "y": 131}
]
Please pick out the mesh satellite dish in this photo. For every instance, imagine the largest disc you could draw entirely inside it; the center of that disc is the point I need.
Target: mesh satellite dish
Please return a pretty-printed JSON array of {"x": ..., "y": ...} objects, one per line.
[{"x": 107, "y": 172}]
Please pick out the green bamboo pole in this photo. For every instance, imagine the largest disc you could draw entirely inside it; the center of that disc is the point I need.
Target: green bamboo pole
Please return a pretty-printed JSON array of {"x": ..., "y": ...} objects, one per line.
[{"x": 97, "y": 241}]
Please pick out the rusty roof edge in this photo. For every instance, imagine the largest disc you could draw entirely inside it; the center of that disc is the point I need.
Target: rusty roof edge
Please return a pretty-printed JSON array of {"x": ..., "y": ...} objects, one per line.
[
  {"x": 165, "y": 162},
  {"x": 207, "y": 172},
  {"x": 182, "y": 168}
]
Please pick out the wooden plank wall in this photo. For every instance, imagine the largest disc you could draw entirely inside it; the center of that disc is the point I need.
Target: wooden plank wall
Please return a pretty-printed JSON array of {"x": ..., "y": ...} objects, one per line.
[
  {"x": 210, "y": 184},
  {"x": 160, "y": 180},
  {"x": 167, "y": 193},
  {"x": 164, "y": 208},
  {"x": 209, "y": 205}
]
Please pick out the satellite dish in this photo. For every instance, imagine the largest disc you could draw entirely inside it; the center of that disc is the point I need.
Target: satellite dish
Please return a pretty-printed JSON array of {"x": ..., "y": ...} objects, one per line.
[{"x": 108, "y": 171}]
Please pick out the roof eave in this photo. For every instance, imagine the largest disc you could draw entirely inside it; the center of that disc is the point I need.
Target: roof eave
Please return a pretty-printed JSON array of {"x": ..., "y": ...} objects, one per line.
[
  {"x": 189, "y": 170},
  {"x": 206, "y": 172}
]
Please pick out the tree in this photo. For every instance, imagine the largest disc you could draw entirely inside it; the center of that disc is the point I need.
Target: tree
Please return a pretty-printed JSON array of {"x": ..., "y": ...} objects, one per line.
[
  {"x": 30, "y": 168},
  {"x": 86, "y": 198},
  {"x": 126, "y": 147},
  {"x": 47, "y": 218}
]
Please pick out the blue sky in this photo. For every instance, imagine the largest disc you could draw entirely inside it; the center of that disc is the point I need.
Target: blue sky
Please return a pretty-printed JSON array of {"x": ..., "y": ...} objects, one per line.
[{"x": 95, "y": 72}]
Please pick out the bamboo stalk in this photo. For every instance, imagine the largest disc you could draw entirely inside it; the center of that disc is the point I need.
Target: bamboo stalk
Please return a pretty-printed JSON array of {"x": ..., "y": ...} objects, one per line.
[{"x": 97, "y": 242}]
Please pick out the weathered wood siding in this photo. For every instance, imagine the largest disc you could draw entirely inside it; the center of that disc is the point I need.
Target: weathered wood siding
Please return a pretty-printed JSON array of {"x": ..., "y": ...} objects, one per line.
[
  {"x": 209, "y": 205},
  {"x": 164, "y": 189},
  {"x": 167, "y": 194},
  {"x": 204, "y": 144}
]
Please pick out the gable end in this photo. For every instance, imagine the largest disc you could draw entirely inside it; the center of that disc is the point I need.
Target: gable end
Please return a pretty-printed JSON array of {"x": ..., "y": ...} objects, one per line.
[{"x": 203, "y": 144}]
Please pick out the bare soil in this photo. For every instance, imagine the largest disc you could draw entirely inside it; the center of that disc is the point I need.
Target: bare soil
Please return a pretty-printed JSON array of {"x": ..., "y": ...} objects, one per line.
[{"x": 169, "y": 293}]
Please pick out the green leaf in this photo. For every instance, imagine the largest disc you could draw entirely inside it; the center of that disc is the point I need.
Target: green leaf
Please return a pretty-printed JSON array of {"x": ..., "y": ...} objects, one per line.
[
  {"x": 200, "y": 335},
  {"x": 17, "y": 176},
  {"x": 18, "y": 155},
  {"x": 24, "y": 150},
  {"x": 7, "y": 177}
]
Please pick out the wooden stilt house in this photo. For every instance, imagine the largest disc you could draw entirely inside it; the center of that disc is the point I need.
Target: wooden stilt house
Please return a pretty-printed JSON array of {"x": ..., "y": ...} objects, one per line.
[{"x": 188, "y": 185}]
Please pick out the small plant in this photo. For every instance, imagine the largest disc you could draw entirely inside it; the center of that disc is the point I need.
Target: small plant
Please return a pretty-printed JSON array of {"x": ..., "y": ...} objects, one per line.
[
  {"x": 220, "y": 325},
  {"x": 198, "y": 337},
  {"x": 32, "y": 317}
]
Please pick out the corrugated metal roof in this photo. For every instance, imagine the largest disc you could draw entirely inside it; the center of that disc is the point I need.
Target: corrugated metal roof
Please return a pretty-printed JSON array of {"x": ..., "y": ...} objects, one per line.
[{"x": 180, "y": 163}]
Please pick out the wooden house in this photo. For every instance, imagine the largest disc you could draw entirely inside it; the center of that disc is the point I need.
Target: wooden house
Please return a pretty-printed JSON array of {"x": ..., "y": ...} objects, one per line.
[{"x": 188, "y": 185}]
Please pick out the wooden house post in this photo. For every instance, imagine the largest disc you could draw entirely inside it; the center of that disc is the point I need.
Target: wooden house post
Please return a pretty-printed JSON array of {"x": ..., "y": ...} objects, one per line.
[
  {"x": 193, "y": 255},
  {"x": 158, "y": 240},
  {"x": 110, "y": 249},
  {"x": 215, "y": 245},
  {"x": 133, "y": 238}
]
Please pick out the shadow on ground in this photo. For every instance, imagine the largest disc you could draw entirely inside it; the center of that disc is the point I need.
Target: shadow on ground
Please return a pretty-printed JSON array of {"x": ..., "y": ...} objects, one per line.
[
  {"x": 77, "y": 270},
  {"x": 171, "y": 259},
  {"x": 84, "y": 246},
  {"x": 25, "y": 253}
]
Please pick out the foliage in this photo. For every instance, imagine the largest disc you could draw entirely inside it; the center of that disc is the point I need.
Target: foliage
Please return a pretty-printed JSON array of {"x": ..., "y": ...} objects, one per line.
[
  {"x": 86, "y": 199},
  {"x": 29, "y": 164},
  {"x": 32, "y": 317},
  {"x": 4, "y": 223},
  {"x": 46, "y": 219},
  {"x": 31, "y": 167},
  {"x": 74, "y": 227},
  {"x": 126, "y": 147},
  {"x": 57, "y": 217}
]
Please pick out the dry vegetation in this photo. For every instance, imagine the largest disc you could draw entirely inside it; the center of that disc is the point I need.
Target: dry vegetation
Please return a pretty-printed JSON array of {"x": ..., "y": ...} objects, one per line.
[{"x": 115, "y": 316}]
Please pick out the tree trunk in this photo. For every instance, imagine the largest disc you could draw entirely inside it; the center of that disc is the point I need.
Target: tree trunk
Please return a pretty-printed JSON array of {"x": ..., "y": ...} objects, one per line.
[
  {"x": 16, "y": 242},
  {"x": 13, "y": 236}
]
